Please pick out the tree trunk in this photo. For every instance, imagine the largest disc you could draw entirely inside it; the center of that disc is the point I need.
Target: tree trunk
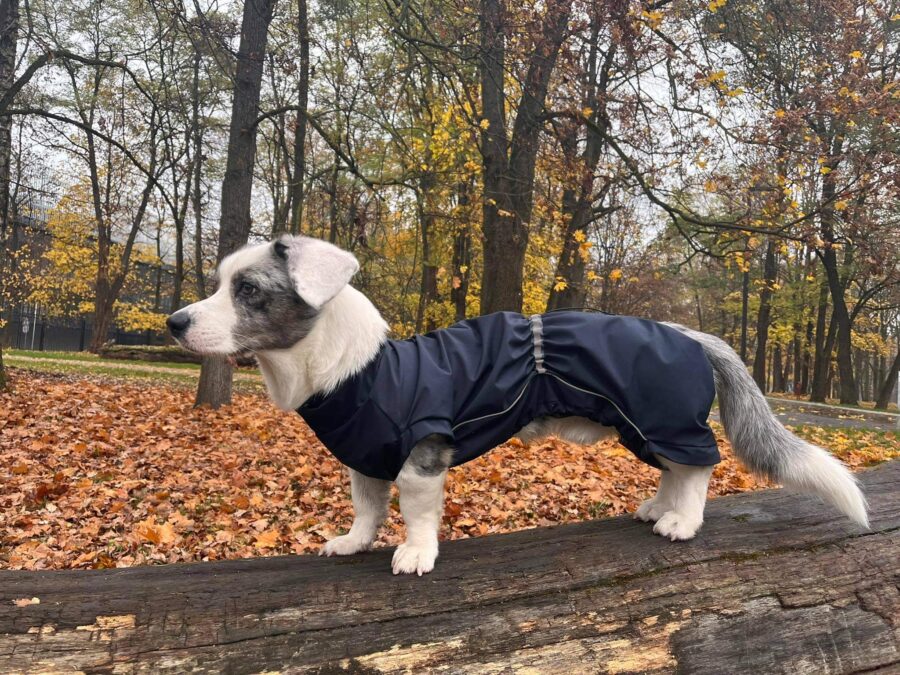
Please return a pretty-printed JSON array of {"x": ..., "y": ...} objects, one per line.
[
  {"x": 504, "y": 250},
  {"x": 822, "y": 389},
  {"x": 509, "y": 164},
  {"x": 571, "y": 266},
  {"x": 848, "y": 394},
  {"x": 837, "y": 287},
  {"x": 462, "y": 256},
  {"x": 102, "y": 318},
  {"x": 300, "y": 129},
  {"x": 887, "y": 386},
  {"x": 109, "y": 281},
  {"x": 807, "y": 359},
  {"x": 333, "y": 202},
  {"x": 178, "y": 281},
  {"x": 824, "y": 346},
  {"x": 777, "y": 369},
  {"x": 214, "y": 388},
  {"x": 763, "y": 318},
  {"x": 9, "y": 35},
  {"x": 577, "y": 206},
  {"x": 428, "y": 290},
  {"x": 796, "y": 360},
  {"x": 197, "y": 175},
  {"x": 102, "y": 305},
  {"x": 745, "y": 296}
]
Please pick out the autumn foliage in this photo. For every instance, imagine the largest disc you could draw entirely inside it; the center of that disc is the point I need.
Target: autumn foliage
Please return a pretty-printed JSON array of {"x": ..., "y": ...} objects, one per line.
[{"x": 97, "y": 475}]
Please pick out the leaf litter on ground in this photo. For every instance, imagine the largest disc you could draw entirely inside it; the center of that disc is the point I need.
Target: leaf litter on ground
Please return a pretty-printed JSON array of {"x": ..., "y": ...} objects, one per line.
[{"x": 101, "y": 472}]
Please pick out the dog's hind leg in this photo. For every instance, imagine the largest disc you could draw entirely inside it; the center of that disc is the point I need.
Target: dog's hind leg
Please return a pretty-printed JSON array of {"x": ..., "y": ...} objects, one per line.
[
  {"x": 421, "y": 484},
  {"x": 681, "y": 498},
  {"x": 370, "y": 502}
]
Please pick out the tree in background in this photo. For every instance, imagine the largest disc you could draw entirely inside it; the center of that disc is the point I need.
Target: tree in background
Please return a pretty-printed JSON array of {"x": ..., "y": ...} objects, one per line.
[
  {"x": 63, "y": 282},
  {"x": 824, "y": 79},
  {"x": 9, "y": 32},
  {"x": 509, "y": 158},
  {"x": 728, "y": 165},
  {"x": 214, "y": 388}
]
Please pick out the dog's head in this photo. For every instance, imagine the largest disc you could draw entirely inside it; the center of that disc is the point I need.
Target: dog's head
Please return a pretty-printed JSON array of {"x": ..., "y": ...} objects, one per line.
[{"x": 268, "y": 297}]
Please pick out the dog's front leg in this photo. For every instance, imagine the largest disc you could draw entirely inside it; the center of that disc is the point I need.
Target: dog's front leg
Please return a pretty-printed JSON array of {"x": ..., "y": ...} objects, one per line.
[
  {"x": 370, "y": 502},
  {"x": 421, "y": 484}
]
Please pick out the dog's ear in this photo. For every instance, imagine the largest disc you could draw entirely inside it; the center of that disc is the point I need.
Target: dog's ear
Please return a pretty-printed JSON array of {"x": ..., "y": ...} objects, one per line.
[{"x": 319, "y": 270}]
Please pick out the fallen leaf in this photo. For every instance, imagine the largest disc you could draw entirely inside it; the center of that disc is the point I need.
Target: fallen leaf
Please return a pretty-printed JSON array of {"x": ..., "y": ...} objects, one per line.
[{"x": 267, "y": 539}]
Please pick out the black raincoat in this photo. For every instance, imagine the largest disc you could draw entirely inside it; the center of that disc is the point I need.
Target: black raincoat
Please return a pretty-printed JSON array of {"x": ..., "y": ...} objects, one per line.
[{"x": 480, "y": 381}]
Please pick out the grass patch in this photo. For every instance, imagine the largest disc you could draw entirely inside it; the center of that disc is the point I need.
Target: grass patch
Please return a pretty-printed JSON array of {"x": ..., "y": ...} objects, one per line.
[
  {"x": 130, "y": 372},
  {"x": 88, "y": 358},
  {"x": 101, "y": 368}
]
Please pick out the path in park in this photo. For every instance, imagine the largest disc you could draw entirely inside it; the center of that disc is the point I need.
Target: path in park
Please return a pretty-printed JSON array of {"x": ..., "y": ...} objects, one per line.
[{"x": 799, "y": 413}]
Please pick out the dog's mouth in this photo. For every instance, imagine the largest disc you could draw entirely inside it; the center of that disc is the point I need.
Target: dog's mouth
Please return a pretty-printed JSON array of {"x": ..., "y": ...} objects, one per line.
[
  {"x": 234, "y": 358},
  {"x": 238, "y": 358}
]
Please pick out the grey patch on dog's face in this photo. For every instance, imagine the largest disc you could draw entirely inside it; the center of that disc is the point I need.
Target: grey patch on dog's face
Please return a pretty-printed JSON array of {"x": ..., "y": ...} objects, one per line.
[{"x": 270, "y": 314}]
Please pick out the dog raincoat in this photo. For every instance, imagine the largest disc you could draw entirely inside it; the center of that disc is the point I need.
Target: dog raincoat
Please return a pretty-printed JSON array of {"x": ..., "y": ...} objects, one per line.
[{"x": 480, "y": 381}]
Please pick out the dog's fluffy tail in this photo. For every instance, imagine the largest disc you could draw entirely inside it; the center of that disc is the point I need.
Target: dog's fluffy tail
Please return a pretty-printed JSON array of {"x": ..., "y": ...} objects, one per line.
[{"x": 765, "y": 446}]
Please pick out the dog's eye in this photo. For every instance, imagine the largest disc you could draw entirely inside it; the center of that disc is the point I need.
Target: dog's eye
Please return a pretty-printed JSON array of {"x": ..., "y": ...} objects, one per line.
[{"x": 246, "y": 289}]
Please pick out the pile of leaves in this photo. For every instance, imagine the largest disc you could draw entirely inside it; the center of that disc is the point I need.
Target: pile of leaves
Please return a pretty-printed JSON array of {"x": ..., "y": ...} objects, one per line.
[{"x": 101, "y": 473}]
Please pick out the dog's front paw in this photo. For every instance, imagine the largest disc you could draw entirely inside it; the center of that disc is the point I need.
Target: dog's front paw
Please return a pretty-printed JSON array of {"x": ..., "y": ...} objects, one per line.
[
  {"x": 346, "y": 544},
  {"x": 651, "y": 509},
  {"x": 409, "y": 558},
  {"x": 677, "y": 526}
]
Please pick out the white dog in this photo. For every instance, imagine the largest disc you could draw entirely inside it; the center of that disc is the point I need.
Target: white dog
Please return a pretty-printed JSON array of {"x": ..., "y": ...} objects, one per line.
[{"x": 408, "y": 410}]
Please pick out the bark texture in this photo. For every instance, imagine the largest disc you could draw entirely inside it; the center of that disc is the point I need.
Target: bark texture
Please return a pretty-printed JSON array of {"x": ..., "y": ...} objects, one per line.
[
  {"x": 214, "y": 388},
  {"x": 764, "y": 317},
  {"x": 299, "y": 173},
  {"x": 887, "y": 385},
  {"x": 509, "y": 160},
  {"x": 773, "y": 583},
  {"x": 9, "y": 34}
]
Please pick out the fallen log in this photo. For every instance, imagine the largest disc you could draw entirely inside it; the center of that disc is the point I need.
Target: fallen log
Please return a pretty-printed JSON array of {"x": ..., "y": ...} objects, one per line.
[{"x": 774, "y": 583}]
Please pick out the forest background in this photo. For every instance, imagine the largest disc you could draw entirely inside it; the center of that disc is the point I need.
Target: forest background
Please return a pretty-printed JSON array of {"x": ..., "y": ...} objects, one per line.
[{"x": 729, "y": 165}]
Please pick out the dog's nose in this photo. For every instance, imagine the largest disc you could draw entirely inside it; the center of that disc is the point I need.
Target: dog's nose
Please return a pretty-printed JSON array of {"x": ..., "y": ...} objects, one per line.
[{"x": 178, "y": 323}]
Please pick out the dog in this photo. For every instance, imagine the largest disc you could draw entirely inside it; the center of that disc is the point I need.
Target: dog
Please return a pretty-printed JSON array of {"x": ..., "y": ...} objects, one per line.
[{"x": 406, "y": 411}]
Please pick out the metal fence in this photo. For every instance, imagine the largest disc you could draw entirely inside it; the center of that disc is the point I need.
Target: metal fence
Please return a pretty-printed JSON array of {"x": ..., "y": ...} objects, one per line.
[{"x": 24, "y": 331}]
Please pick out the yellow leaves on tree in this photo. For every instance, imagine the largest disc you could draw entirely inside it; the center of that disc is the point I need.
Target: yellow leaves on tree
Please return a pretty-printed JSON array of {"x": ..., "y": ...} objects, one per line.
[
  {"x": 139, "y": 317},
  {"x": 654, "y": 19},
  {"x": 63, "y": 281}
]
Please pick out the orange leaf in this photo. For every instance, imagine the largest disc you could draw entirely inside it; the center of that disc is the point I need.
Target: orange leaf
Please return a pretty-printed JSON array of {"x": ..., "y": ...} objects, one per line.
[{"x": 267, "y": 539}]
